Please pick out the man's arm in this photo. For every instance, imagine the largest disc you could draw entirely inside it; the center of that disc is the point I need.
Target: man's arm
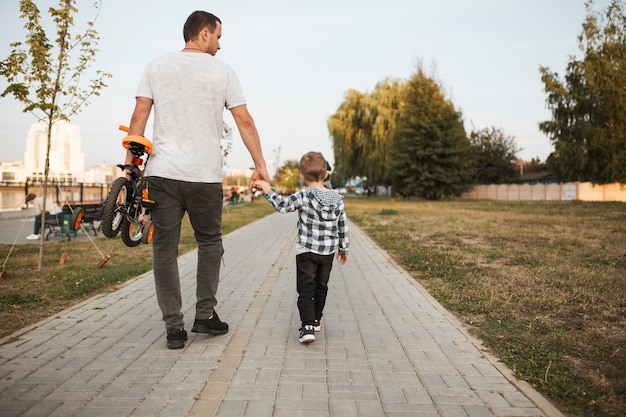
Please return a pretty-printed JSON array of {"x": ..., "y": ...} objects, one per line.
[
  {"x": 138, "y": 121},
  {"x": 250, "y": 135}
]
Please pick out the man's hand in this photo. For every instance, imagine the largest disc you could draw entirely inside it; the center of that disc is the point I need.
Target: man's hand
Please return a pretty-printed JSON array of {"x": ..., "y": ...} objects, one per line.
[{"x": 258, "y": 174}]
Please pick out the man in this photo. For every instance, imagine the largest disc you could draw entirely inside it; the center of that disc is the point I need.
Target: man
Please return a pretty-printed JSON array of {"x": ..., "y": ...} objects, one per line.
[
  {"x": 51, "y": 211},
  {"x": 189, "y": 90}
]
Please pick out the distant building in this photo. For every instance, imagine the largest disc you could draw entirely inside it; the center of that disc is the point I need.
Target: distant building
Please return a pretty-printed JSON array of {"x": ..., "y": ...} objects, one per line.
[
  {"x": 102, "y": 174},
  {"x": 12, "y": 171},
  {"x": 531, "y": 173},
  {"x": 67, "y": 161}
]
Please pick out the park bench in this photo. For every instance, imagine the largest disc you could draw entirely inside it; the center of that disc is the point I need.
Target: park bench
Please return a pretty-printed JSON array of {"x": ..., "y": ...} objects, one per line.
[
  {"x": 92, "y": 212},
  {"x": 60, "y": 227}
]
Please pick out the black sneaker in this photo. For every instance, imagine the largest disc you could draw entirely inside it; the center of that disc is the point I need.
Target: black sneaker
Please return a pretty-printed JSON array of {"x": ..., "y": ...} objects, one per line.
[
  {"x": 317, "y": 325},
  {"x": 176, "y": 339},
  {"x": 213, "y": 325},
  {"x": 307, "y": 334}
]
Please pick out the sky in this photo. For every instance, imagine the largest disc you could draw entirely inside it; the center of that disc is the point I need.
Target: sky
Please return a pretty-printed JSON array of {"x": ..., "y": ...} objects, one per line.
[{"x": 296, "y": 60}]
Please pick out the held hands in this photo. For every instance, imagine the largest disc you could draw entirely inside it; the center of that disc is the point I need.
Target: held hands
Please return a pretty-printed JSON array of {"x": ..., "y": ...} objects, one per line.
[
  {"x": 263, "y": 185},
  {"x": 258, "y": 174},
  {"x": 343, "y": 258}
]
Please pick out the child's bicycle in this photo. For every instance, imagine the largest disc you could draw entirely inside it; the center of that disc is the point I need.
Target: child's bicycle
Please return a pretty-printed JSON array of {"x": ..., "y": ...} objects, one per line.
[{"x": 126, "y": 209}]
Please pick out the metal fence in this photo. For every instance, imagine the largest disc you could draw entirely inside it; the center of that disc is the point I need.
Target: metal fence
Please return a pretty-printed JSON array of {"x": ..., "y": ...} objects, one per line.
[{"x": 12, "y": 196}]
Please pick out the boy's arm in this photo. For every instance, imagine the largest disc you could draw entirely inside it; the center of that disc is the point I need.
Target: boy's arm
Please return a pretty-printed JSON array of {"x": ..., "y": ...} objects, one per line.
[
  {"x": 284, "y": 204},
  {"x": 344, "y": 233}
]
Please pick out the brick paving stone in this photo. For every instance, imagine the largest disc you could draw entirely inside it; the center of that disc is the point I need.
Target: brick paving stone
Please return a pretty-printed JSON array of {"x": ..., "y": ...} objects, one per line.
[{"x": 386, "y": 348}]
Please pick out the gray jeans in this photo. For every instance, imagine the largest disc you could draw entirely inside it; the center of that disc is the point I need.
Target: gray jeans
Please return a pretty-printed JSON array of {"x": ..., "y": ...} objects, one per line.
[{"x": 203, "y": 203}]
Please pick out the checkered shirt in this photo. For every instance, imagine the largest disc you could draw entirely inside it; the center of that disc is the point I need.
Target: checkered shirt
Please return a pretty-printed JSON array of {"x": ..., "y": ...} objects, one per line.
[{"x": 322, "y": 221}]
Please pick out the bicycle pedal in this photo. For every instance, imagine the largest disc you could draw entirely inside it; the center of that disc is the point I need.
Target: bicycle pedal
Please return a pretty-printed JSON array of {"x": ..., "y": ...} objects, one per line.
[{"x": 147, "y": 203}]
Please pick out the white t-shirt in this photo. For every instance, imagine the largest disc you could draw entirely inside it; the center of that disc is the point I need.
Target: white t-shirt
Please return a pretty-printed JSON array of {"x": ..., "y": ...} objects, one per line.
[
  {"x": 51, "y": 208},
  {"x": 189, "y": 92}
]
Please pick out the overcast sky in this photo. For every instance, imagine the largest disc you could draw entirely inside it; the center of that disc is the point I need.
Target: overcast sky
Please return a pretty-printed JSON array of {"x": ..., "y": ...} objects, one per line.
[{"x": 296, "y": 59}]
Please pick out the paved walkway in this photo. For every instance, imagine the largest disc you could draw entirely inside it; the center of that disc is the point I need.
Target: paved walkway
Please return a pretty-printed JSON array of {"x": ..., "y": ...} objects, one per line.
[{"x": 386, "y": 348}]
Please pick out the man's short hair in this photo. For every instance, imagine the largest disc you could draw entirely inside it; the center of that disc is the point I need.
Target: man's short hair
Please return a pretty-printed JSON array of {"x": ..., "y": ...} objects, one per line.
[
  {"x": 197, "y": 21},
  {"x": 313, "y": 167}
]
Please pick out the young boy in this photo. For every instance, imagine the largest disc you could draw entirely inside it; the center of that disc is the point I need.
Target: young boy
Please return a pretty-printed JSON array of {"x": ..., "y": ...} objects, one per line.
[{"x": 322, "y": 232}]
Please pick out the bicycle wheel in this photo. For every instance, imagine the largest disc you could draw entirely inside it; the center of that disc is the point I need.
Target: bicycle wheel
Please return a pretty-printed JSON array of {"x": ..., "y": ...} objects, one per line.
[
  {"x": 113, "y": 212},
  {"x": 131, "y": 233},
  {"x": 77, "y": 219},
  {"x": 147, "y": 232}
]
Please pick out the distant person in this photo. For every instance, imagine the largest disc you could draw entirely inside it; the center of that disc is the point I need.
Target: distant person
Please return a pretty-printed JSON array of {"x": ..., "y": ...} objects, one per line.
[
  {"x": 52, "y": 212},
  {"x": 234, "y": 196},
  {"x": 322, "y": 232},
  {"x": 189, "y": 90}
]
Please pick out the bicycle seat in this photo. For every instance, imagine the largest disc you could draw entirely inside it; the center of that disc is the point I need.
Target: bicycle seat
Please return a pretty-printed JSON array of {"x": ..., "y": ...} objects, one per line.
[{"x": 132, "y": 142}]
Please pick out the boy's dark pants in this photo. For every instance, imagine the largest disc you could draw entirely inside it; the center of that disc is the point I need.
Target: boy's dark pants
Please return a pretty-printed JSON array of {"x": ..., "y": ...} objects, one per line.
[{"x": 313, "y": 272}]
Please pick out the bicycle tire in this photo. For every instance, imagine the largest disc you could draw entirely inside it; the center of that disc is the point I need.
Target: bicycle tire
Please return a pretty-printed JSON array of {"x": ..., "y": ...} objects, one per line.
[
  {"x": 112, "y": 216},
  {"x": 131, "y": 233},
  {"x": 77, "y": 219},
  {"x": 147, "y": 232}
]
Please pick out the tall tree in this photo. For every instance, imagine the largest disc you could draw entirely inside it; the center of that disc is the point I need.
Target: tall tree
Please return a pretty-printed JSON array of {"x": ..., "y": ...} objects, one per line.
[
  {"x": 432, "y": 155},
  {"x": 362, "y": 130},
  {"x": 48, "y": 77},
  {"x": 494, "y": 154},
  {"x": 588, "y": 126}
]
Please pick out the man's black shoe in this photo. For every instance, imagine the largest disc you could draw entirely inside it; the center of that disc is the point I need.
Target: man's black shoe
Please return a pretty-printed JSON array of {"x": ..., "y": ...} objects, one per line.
[
  {"x": 213, "y": 325},
  {"x": 176, "y": 339}
]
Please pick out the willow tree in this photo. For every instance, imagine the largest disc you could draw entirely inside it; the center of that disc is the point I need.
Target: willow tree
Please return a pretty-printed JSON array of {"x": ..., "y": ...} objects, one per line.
[
  {"x": 47, "y": 76},
  {"x": 432, "y": 157},
  {"x": 362, "y": 131},
  {"x": 588, "y": 125}
]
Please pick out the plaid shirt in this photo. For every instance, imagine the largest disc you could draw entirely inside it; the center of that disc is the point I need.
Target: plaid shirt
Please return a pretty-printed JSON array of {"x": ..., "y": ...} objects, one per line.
[{"x": 322, "y": 221}]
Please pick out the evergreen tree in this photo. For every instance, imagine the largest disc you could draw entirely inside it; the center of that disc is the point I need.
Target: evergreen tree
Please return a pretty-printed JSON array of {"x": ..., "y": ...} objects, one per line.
[{"x": 432, "y": 157}]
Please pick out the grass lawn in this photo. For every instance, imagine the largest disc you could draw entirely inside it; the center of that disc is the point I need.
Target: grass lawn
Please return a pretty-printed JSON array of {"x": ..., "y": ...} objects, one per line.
[{"x": 542, "y": 284}]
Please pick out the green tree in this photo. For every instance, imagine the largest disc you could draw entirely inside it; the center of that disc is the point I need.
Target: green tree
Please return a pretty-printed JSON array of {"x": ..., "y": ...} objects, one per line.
[
  {"x": 362, "y": 130},
  {"x": 48, "y": 77},
  {"x": 588, "y": 125},
  {"x": 287, "y": 177},
  {"x": 432, "y": 157},
  {"x": 494, "y": 156}
]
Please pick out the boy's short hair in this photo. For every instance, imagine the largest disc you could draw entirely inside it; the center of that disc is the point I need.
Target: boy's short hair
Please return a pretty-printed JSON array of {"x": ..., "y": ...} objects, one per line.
[{"x": 313, "y": 167}]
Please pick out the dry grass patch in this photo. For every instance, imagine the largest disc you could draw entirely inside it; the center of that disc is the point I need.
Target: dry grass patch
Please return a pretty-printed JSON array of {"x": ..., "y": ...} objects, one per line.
[{"x": 543, "y": 284}]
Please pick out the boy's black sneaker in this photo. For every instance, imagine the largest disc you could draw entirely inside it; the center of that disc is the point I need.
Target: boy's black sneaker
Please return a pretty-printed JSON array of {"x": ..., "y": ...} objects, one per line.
[
  {"x": 317, "y": 325},
  {"x": 176, "y": 339},
  {"x": 307, "y": 334},
  {"x": 213, "y": 325}
]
